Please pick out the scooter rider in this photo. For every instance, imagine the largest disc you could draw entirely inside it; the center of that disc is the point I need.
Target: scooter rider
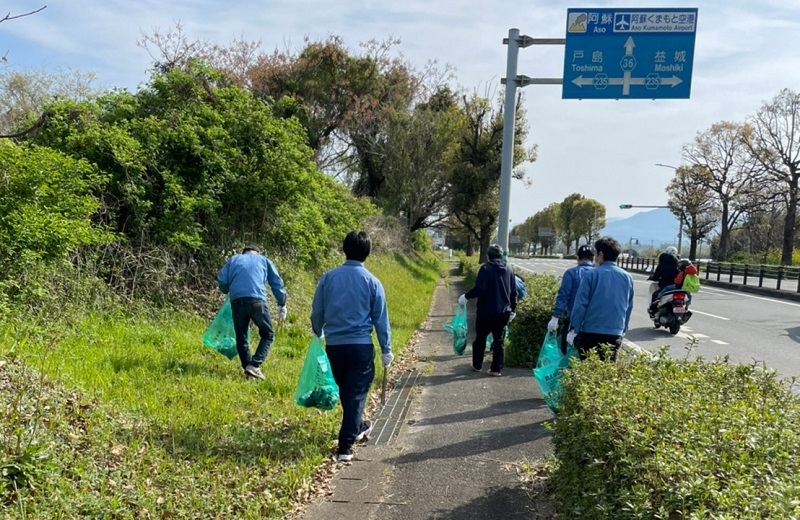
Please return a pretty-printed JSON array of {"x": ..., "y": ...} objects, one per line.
[{"x": 666, "y": 271}]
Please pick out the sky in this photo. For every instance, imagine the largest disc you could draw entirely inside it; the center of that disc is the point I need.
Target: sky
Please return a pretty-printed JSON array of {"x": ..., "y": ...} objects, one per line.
[{"x": 605, "y": 149}]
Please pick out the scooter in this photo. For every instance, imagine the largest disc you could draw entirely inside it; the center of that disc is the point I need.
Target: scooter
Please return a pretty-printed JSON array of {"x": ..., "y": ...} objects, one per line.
[{"x": 671, "y": 309}]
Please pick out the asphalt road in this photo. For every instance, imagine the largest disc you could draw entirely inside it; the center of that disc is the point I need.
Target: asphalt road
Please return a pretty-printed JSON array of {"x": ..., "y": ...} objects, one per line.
[{"x": 745, "y": 327}]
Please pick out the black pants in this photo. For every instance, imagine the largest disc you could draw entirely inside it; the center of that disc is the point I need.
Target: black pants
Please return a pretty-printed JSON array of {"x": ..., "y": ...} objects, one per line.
[
  {"x": 586, "y": 341},
  {"x": 353, "y": 369},
  {"x": 483, "y": 328},
  {"x": 563, "y": 335}
]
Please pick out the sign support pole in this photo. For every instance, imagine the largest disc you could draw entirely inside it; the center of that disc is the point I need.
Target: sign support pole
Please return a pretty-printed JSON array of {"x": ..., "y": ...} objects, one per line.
[
  {"x": 507, "y": 156},
  {"x": 512, "y": 81}
]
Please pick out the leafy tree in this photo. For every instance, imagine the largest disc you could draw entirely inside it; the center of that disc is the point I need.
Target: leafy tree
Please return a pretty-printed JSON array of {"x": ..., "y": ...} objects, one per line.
[
  {"x": 420, "y": 152},
  {"x": 476, "y": 178},
  {"x": 692, "y": 202},
  {"x": 727, "y": 170},
  {"x": 773, "y": 140},
  {"x": 589, "y": 218},
  {"x": 24, "y": 94},
  {"x": 568, "y": 223}
]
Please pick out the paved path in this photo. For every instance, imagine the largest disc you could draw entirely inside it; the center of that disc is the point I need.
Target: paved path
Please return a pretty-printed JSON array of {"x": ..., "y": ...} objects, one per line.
[{"x": 456, "y": 452}]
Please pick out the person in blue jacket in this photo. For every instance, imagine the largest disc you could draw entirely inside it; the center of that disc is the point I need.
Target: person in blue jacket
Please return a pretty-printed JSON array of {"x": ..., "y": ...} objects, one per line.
[
  {"x": 601, "y": 313},
  {"x": 567, "y": 291},
  {"x": 348, "y": 303},
  {"x": 243, "y": 278}
]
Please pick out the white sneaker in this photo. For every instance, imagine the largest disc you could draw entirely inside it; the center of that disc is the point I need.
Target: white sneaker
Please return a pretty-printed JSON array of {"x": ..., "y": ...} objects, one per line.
[
  {"x": 346, "y": 456},
  {"x": 254, "y": 372},
  {"x": 364, "y": 435}
]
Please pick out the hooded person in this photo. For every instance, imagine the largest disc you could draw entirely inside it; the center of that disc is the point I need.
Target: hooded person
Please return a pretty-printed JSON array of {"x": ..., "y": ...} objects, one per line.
[{"x": 496, "y": 291}]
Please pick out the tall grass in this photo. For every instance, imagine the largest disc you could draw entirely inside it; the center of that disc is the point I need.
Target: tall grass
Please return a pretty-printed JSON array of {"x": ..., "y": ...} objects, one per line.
[{"x": 170, "y": 427}]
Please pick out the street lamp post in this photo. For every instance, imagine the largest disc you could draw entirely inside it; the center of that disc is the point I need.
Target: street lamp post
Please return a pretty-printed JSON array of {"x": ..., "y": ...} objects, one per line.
[{"x": 680, "y": 220}]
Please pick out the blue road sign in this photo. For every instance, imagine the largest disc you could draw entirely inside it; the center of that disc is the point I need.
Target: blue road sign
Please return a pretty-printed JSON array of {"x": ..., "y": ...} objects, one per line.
[{"x": 629, "y": 53}]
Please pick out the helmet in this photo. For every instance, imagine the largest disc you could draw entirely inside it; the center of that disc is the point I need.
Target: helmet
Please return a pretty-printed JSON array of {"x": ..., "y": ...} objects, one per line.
[
  {"x": 683, "y": 264},
  {"x": 494, "y": 252},
  {"x": 585, "y": 251},
  {"x": 672, "y": 250}
]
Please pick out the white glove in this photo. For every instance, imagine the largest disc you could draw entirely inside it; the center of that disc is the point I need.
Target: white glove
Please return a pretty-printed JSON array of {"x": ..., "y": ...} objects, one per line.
[
  {"x": 387, "y": 358},
  {"x": 571, "y": 337},
  {"x": 282, "y": 313},
  {"x": 462, "y": 300},
  {"x": 512, "y": 316},
  {"x": 552, "y": 324}
]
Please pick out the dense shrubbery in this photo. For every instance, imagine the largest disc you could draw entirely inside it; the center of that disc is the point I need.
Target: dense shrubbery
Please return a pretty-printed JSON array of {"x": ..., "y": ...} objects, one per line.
[
  {"x": 677, "y": 439},
  {"x": 46, "y": 204},
  {"x": 184, "y": 171},
  {"x": 527, "y": 331}
]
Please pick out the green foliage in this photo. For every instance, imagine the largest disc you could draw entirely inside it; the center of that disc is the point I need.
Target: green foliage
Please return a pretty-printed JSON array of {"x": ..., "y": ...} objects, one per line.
[
  {"x": 671, "y": 438},
  {"x": 146, "y": 417},
  {"x": 194, "y": 165},
  {"x": 468, "y": 267},
  {"x": 526, "y": 333},
  {"x": 46, "y": 205},
  {"x": 421, "y": 241}
]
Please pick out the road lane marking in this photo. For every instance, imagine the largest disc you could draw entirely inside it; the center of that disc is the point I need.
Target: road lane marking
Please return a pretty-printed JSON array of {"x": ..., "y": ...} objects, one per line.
[
  {"x": 739, "y": 293},
  {"x": 694, "y": 311},
  {"x": 718, "y": 342}
]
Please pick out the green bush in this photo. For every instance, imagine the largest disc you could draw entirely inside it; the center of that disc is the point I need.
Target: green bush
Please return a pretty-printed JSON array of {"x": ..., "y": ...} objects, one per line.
[
  {"x": 468, "y": 268},
  {"x": 527, "y": 331},
  {"x": 46, "y": 210},
  {"x": 676, "y": 439},
  {"x": 421, "y": 241}
]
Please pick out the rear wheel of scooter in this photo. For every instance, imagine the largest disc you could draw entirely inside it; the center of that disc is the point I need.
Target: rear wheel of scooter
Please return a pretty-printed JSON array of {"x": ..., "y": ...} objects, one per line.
[{"x": 674, "y": 328}]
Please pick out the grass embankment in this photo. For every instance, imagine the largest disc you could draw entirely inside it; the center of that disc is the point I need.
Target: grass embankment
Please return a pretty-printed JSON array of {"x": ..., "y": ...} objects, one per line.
[{"x": 133, "y": 417}]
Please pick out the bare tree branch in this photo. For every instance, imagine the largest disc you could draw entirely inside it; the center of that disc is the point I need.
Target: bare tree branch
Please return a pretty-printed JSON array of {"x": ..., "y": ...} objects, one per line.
[{"x": 9, "y": 17}]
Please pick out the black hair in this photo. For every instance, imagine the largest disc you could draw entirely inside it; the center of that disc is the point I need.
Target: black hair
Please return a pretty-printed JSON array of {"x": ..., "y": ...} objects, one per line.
[
  {"x": 609, "y": 247},
  {"x": 249, "y": 248},
  {"x": 494, "y": 252},
  {"x": 357, "y": 246},
  {"x": 585, "y": 251}
]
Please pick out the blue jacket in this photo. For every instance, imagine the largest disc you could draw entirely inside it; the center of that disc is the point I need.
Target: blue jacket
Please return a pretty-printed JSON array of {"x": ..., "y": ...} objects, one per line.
[
  {"x": 348, "y": 303},
  {"x": 246, "y": 276},
  {"x": 496, "y": 290},
  {"x": 569, "y": 287},
  {"x": 604, "y": 301}
]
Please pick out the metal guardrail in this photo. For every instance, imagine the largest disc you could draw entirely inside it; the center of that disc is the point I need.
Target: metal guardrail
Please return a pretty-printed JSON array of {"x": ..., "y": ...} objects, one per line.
[{"x": 765, "y": 276}]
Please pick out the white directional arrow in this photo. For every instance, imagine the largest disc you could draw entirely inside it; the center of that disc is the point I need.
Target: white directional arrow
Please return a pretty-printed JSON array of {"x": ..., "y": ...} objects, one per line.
[
  {"x": 580, "y": 81},
  {"x": 629, "y": 45},
  {"x": 674, "y": 81},
  {"x": 626, "y": 75}
]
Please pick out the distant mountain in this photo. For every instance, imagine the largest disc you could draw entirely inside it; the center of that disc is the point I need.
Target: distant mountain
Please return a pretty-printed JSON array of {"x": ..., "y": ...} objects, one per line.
[{"x": 657, "y": 227}]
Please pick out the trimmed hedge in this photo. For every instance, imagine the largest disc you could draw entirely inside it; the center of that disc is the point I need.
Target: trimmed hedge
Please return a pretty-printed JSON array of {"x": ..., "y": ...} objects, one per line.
[
  {"x": 527, "y": 331},
  {"x": 677, "y": 439}
]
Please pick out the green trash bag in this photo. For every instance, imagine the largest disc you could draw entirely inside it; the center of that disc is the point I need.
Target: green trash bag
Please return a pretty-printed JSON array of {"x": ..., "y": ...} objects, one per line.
[
  {"x": 691, "y": 283},
  {"x": 550, "y": 369},
  {"x": 458, "y": 328},
  {"x": 490, "y": 338},
  {"x": 220, "y": 334},
  {"x": 316, "y": 387}
]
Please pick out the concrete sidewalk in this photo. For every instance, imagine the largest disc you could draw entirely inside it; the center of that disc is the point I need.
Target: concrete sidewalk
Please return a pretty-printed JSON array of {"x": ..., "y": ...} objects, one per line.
[{"x": 455, "y": 454}]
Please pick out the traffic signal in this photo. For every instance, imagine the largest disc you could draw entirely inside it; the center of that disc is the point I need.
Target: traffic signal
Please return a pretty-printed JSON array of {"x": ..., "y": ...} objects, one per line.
[{"x": 625, "y": 206}]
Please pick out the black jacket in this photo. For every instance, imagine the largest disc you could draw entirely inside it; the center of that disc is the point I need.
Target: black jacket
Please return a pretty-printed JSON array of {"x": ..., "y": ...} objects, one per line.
[
  {"x": 666, "y": 271},
  {"x": 496, "y": 290}
]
